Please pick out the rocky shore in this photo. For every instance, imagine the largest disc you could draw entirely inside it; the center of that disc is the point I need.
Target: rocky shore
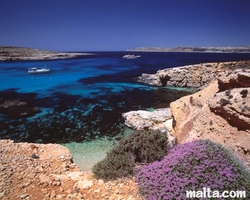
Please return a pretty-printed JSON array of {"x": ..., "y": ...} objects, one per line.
[
  {"x": 9, "y": 53},
  {"x": 219, "y": 111},
  {"x": 47, "y": 171},
  {"x": 194, "y": 76}
]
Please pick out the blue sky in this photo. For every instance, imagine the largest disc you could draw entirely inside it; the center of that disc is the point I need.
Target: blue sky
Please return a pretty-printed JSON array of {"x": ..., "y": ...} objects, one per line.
[{"x": 113, "y": 25}]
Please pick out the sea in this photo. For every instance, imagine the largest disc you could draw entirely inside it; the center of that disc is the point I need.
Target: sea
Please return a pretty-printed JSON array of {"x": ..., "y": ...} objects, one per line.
[{"x": 82, "y": 99}]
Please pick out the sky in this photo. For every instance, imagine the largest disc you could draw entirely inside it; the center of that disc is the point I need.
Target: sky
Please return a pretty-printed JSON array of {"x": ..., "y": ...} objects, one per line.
[{"x": 116, "y": 25}]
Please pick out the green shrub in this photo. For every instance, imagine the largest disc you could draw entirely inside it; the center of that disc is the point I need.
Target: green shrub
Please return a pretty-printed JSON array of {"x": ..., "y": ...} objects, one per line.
[
  {"x": 117, "y": 164},
  {"x": 137, "y": 147}
]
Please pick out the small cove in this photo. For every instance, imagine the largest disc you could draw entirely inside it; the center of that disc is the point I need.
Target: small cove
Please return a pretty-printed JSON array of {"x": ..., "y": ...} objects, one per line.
[{"x": 82, "y": 99}]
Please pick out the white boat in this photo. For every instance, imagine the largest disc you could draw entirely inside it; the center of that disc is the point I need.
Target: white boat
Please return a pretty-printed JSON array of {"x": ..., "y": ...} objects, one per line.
[
  {"x": 131, "y": 56},
  {"x": 35, "y": 70}
]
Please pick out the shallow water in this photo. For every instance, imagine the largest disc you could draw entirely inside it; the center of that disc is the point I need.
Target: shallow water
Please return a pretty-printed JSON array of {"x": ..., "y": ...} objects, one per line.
[{"x": 82, "y": 99}]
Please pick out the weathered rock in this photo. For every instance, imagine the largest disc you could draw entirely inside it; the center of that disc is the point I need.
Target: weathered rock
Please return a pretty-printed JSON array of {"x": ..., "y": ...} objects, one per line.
[
  {"x": 85, "y": 184},
  {"x": 159, "y": 119},
  {"x": 234, "y": 79},
  {"x": 24, "y": 177},
  {"x": 144, "y": 120},
  {"x": 196, "y": 76},
  {"x": 150, "y": 79},
  {"x": 234, "y": 106},
  {"x": 217, "y": 114},
  {"x": 1, "y": 195}
]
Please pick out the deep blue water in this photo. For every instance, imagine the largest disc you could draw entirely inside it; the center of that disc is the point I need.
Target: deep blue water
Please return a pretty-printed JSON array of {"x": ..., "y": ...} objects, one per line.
[{"x": 83, "y": 98}]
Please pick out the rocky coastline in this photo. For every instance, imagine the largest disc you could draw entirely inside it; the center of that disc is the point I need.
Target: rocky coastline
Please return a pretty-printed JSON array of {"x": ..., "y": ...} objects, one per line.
[
  {"x": 219, "y": 110},
  {"x": 10, "y": 53},
  {"x": 193, "y": 49},
  {"x": 194, "y": 76}
]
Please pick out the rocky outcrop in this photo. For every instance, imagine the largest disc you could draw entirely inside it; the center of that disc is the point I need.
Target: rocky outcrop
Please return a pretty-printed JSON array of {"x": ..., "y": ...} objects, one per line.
[
  {"x": 159, "y": 119},
  {"x": 196, "y": 76},
  {"x": 9, "y": 53},
  {"x": 219, "y": 112},
  {"x": 233, "y": 105},
  {"x": 234, "y": 79},
  {"x": 47, "y": 171}
]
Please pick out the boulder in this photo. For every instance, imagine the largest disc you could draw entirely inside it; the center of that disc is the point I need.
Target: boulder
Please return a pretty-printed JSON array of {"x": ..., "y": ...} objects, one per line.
[
  {"x": 145, "y": 120},
  {"x": 150, "y": 79}
]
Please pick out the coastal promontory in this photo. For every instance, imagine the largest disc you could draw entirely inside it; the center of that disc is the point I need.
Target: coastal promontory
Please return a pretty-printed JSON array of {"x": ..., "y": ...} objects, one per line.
[
  {"x": 11, "y": 53},
  {"x": 185, "y": 49}
]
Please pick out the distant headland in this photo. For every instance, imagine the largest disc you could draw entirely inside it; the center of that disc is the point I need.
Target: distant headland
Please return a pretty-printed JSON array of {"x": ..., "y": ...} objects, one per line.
[
  {"x": 10, "y": 53},
  {"x": 194, "y": 49}
]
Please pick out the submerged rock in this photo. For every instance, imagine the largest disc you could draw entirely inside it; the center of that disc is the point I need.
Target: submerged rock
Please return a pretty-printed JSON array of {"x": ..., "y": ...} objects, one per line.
[{"x": 17, "y": 109}]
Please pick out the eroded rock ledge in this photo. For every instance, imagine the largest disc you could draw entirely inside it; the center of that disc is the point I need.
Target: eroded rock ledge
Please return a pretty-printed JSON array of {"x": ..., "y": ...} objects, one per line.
[
  {"x": 195, "y": 76},
  {"x": 9, "y": 53}
]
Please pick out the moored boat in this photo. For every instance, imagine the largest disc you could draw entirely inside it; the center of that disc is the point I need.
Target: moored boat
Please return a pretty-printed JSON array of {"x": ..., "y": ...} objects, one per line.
[
  {"x": 131, "y": 56},
  {"x": 35, "y": 70}
]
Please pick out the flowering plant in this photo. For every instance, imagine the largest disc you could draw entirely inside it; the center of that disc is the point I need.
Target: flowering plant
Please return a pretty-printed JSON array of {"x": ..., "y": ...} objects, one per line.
[{"x": 193, "y": 166}]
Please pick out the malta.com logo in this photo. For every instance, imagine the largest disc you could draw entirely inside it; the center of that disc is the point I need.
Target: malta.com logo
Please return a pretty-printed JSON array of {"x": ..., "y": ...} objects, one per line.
[{"x": 207, "y": 193}]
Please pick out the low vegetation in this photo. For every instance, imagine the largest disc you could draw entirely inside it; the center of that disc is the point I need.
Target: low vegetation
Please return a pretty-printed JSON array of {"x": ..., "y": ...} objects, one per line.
[
  {"x": 193, "y": 166},
  {"x": 136, "y": 148}
]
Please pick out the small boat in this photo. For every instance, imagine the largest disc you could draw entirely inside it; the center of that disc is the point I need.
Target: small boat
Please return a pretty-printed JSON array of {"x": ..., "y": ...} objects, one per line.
[
  {"x": 35, "y": 70},
  {"x": 129, "y": 56}
]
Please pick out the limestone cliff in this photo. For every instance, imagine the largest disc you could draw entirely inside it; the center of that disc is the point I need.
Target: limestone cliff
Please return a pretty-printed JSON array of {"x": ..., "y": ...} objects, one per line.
[{"x": 220, "y": 112}]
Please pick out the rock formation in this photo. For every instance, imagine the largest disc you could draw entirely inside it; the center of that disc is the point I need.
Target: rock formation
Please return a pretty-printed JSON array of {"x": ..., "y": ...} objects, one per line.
[
  {"x": 196, "y": 76},
  {"x": 220, "y": 112},
  {"x": 47, "y": 171},
  {"x": 159, "y": 119}
]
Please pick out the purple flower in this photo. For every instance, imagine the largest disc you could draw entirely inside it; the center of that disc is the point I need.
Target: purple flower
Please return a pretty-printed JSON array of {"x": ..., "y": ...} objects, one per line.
[{"x": 192, "y": 166}]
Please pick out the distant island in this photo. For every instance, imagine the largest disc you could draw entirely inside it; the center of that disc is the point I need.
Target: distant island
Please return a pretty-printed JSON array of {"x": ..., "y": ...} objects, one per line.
[
  {"x": 10, "y": 53},
  {"x": 194, "y": 49}
]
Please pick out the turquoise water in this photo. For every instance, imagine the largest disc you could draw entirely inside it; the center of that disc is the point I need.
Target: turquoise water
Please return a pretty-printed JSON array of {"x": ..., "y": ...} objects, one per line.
[{"x": 82, "y": 99}]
